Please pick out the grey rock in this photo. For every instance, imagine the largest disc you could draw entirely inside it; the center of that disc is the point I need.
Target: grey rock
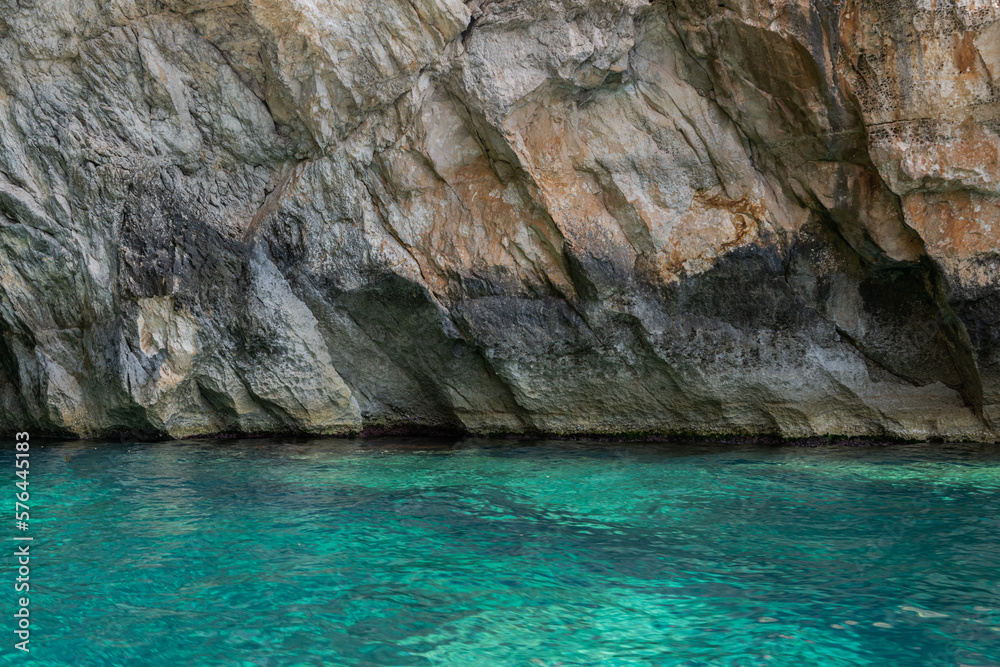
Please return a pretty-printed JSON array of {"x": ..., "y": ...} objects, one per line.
[{"x": 500, "y": 216}]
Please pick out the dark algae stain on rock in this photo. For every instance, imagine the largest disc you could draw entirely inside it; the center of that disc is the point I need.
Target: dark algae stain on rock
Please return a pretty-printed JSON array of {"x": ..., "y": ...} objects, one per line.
[{"x": 609, "y": 218}]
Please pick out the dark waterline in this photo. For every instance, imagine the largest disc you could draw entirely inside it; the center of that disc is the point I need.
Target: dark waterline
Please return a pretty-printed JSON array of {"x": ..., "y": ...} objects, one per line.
[{"x": 421, "y": 551}]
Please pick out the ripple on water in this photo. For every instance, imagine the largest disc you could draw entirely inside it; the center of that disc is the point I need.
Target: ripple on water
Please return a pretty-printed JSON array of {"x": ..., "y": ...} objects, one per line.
[{"x": 479, "y": 552}]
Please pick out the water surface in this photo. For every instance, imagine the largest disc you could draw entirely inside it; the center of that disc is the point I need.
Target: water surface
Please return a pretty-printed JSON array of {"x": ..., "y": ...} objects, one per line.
[{"x": 480, "y": 552}]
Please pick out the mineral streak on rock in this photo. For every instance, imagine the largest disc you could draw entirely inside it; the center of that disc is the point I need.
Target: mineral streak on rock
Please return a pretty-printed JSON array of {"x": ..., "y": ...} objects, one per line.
[{"x": 547, "y": 216}]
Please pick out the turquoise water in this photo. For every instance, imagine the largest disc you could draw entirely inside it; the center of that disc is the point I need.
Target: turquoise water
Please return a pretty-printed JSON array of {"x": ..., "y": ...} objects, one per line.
[{"x": 478, "y": 552}]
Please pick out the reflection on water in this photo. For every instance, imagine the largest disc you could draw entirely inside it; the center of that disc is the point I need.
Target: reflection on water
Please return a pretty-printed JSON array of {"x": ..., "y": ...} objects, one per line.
[{"x": 486, "y": 552}]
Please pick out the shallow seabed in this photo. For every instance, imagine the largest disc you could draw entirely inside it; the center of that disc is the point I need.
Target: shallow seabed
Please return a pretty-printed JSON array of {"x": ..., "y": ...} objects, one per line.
[{"x": 483, "y": 552}]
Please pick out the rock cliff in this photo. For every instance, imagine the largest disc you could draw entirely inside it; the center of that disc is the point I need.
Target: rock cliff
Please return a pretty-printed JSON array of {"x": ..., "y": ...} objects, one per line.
[{"x": 529, "y": 216}]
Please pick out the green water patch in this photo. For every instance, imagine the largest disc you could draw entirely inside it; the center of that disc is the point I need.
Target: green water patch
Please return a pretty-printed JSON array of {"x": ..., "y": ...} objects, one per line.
[{"x": 499, "y": 552}]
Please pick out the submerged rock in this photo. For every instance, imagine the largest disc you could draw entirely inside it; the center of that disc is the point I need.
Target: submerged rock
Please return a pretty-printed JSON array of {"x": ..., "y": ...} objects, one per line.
[{"x": 566, "y": 216}]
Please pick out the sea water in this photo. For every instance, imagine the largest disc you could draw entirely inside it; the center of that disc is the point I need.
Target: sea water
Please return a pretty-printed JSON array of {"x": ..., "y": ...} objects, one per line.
[{"x": 499, "y": 552}]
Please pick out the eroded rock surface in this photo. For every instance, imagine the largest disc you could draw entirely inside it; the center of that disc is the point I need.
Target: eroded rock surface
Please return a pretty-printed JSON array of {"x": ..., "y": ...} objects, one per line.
[{"x": 560, "y": 216}]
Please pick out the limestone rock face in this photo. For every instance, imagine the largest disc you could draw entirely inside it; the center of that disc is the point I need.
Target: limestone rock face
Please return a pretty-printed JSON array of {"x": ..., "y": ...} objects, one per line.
[{"x": 547, "y": 216}]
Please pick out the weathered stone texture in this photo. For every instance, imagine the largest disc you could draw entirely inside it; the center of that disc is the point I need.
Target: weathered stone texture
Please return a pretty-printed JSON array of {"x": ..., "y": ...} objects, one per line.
[{"x": 568, "y": 216}]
